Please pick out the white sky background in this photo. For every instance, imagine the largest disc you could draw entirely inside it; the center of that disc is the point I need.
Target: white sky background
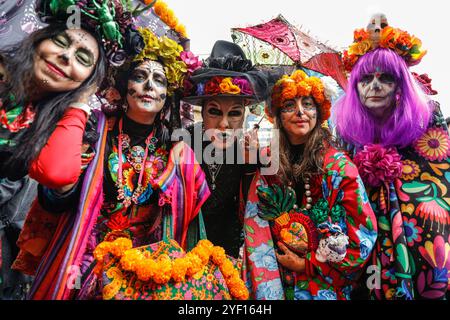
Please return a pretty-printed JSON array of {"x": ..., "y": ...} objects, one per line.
[{"x": 334, "y": 20}]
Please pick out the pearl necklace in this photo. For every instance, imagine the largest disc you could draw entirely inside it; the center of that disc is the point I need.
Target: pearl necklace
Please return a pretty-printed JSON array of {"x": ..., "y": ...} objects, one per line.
[{"x": 308, "y": 194}]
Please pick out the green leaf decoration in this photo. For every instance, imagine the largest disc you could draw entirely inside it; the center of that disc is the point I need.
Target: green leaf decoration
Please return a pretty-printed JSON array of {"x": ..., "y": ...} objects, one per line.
[
  {"x": 337, "y": 212},
  {"x": 249, "y": 229},
  {"x": 302, "y": 285},
  {"x": 443, "y": 204},
  {"x": 319, "y": 212},
  {"x": 369, "y": 224},
  {"x": 425, "y": 199},
  {"x": 415, "y": 187},
  {"x": 351, "y": 221},
  {"x": 384, "y": 224},
  {"x": 403, "y": 257}
]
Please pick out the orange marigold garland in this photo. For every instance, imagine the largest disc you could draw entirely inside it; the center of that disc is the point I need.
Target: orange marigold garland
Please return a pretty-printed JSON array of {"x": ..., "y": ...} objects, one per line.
[
  {"x": 164, "y": 269},
  {"x": 297, "y": 85},
  {"x": 405, "y": 45},
  {"x": 167, "y": 15}
]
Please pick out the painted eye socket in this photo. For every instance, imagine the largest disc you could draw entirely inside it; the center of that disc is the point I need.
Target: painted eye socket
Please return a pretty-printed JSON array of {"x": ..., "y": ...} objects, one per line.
[
  {"x": 84, "y": 58},
  {"x": 384, "y": 25},
  {"x": 387, "y": 78},
  {"x": 61, "y": 40},
  {"x": 367, "y": 78},
  {"x": 214, "y": 112},
  {"x": 160, "y": 79},
  {"x": 288, "y": 105},
  {"x": 235, "y": 113},
  {"x": 138, "y": 76}
]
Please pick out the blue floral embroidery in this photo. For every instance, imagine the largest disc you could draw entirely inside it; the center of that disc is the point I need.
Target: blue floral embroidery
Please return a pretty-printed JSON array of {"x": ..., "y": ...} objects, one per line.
[
  {"x": 336, "y": 180},
  {"x": 302, "y": 294},
  {"x": 326, "y": 295},
  {"x": 270, "y": 290},
  {"x": 264, "y": 257},
  {"x": 362, "y": 190},
  {"x": 367, "y": 240},
  {"x": 252, "y": 212}
]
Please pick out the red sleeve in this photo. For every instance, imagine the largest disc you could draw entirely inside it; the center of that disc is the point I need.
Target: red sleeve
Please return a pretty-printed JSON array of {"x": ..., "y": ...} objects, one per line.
[{"x": 59, "y": 162}]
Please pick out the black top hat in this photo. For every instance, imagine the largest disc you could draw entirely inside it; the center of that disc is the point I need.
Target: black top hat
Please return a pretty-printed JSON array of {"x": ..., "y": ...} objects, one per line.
[{"x": 227, "y": 60}]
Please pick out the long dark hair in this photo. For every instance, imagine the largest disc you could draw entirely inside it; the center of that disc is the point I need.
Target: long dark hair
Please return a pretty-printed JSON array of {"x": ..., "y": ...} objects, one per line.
[
  {"x": 19, "y": 64},
  {"x": 311, "y": 162}
]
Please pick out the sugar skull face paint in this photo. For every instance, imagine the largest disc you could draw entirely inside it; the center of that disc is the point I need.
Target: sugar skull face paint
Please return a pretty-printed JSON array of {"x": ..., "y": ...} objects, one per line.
[
  {"x": 377, "y": 92},
  {"x": 221, "y": 118},
  {"x": 147, "y": 88},
  {"x": 298, "y": 118},
  {"x": 63, "y": 62}
]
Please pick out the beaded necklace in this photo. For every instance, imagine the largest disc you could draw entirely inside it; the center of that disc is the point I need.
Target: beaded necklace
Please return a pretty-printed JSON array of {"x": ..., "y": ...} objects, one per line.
[{"x": 138, "y": 163}]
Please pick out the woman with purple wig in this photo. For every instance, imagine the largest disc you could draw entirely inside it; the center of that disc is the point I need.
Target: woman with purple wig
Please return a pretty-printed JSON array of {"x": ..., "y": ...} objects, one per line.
[{"x": 400, "y": 143}]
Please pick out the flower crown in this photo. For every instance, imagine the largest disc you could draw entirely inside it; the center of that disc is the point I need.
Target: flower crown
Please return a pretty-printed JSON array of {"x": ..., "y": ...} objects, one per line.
[
  {"x": 405, "y": 45},
  {"x": 176, "y": 62},
  {"x": 299, "y": 84},
  {"x": 224, "y": 85}
]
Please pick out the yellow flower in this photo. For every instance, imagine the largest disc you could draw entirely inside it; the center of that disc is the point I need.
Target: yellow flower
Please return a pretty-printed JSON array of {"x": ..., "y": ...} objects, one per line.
[
  {"x": 130, "y": 259},
  {"x": 218, "y": 255},
  {"x": 360, "y": 48},
  {"x": 410, "y": 170},
  {"x": 303, "y": 89},
  {"x": 163, "y": 270},
  {"x": 166, "y": 51},
  {"x": 195, "y": 264},
  {"x": 145, "y": 269},
  {"x": 298, "y": 76},
  {"x": 179, "y": 269},
  {"x": 227, "y": 86}
]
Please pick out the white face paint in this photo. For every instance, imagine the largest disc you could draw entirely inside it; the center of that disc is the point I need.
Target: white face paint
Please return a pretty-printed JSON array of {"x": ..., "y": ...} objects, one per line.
[
  {"x": 377, "y": 92},
  {"x": 377, "y": 23},
  {"x": 147, "y": 88}
]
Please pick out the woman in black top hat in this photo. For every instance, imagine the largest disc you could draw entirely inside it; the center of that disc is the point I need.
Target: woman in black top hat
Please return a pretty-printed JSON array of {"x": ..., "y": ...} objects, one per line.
[{"x": 224, "y": 87}]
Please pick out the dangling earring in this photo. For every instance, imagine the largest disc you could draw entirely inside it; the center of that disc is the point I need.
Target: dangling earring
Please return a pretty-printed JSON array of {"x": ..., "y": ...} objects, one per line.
[
  {"x": 398, "y": 97},
  {"x": 125, "y": 106}
]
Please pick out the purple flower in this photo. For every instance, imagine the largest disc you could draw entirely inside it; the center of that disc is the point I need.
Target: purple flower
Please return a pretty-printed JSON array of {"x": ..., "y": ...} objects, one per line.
[
  {"x": 244, "y": 85},
  {"x": 134, "y": 43},
  {"x": 117, "y": 58},
  {"x": 200, "y": 89}
]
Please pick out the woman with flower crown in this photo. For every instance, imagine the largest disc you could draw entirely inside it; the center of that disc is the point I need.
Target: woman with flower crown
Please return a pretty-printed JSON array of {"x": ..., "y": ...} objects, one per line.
[
  {"x": 309, "y": 227},
  {"x": 400, "y": 143},
  {"x": 135, "y": 178}
]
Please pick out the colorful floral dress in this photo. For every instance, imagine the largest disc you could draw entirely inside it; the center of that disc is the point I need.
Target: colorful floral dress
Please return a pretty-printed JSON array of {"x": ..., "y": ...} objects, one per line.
[
  {"x": 341, "y": 187},
  {"x": 411, "y": 259}
]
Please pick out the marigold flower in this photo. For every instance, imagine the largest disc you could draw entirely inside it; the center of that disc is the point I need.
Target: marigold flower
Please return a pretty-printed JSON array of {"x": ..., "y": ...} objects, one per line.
[
  {"x": 145, "y": 269},
  {"x": 227, "y": 86}
]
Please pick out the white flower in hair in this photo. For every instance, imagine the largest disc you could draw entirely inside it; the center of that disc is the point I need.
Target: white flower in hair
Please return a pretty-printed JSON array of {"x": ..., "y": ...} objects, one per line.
[{"x": 331, "y": 87}]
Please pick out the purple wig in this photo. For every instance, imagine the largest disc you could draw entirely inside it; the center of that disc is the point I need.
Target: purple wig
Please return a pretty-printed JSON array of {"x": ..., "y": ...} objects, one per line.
[{"x": 408, "y": 121}]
